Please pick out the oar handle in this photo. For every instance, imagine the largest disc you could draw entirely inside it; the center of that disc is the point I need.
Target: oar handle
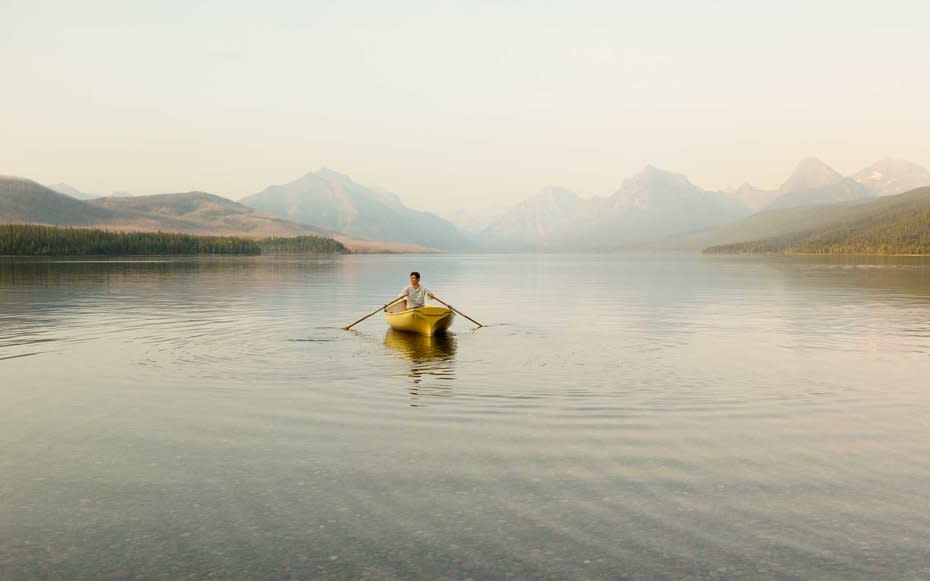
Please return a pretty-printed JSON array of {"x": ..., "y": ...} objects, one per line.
[
  {"x": 347, "y": 327},
  {"x": 457, "y": 311}
]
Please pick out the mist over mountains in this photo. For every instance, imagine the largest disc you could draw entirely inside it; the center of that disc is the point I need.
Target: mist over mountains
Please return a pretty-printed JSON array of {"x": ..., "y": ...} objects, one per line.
[
  {"x": 653, "y": 209},
  {"x": 650, "y": 205},
  {"x": 891, "y": 176},
  {"x": 656, "y": 204},
  {"x": 333, "y": 200},
  {"x": 529, "y": 224},
  {"x": 25, "y": 201},
  {"x": 814, "y": 182},
  {"x": 753, "y": 198}
]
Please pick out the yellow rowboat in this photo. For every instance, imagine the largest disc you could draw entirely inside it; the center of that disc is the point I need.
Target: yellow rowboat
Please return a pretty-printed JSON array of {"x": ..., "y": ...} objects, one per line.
[{"x": 426, "y": 320}]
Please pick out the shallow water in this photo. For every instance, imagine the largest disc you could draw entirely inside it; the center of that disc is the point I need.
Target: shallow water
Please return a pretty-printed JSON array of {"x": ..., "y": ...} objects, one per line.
[{"x": 646, "y": 416}]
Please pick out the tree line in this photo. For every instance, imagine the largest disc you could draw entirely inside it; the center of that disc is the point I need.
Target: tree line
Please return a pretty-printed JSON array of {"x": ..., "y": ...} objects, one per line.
[
  {"x": 37, "y": 240},
  {"x": 302, "y": 245}
]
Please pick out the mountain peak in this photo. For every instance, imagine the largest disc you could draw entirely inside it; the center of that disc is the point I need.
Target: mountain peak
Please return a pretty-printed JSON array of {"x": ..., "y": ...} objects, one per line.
[
  {"x": 332, "y": 200},
  {"x": 745, "y": 187},
  {"x": 811, "y": 173},
  {"x": 327, "y": 173},
  {"x": 814, "y": 182},
  {"x": 652, "y": 171},
  {"x": 893, "y": 176},
  {"x": 653, "y": 179}
]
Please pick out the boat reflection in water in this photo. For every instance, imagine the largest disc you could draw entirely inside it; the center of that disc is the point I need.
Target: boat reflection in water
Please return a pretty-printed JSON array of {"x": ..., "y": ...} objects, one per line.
[{"x": 431, "y": 359}]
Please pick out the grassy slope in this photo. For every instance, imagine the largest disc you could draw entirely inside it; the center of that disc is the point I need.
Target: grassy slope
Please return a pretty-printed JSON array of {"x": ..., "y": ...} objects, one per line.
[
  {"x": 203, "y": 213},
  {"x": 23, "y": 200}
]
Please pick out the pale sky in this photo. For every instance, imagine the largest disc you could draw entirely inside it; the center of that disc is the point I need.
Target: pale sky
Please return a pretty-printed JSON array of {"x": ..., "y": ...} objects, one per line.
[{"x": 455, "y": 104}]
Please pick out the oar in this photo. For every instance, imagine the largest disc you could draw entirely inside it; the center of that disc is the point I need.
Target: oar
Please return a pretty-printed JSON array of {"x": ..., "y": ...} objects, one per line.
[
  {"x": 457, "y": 311},
  {"x": 346, "y": 328}
]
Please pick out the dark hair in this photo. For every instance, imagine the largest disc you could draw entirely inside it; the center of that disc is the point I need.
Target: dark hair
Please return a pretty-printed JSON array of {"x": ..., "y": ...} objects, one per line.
[{"x": 416, "y": 274}]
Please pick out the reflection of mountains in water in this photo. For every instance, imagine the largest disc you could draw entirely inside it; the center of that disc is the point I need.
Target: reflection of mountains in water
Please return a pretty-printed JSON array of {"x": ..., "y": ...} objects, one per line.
[{"x": 429, "y": 358}]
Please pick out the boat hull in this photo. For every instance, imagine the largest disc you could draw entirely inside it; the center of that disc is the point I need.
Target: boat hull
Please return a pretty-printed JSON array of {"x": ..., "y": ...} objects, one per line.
[{"x": 422, "y": 320}]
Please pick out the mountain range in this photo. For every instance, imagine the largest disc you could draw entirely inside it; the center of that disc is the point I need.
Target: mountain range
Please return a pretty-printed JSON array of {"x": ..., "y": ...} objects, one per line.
[
  {"x": 650, "y": 205},
  {"x": 664, "y": 209},
  {"x": 814, "y": 182},
  {"x": 653, "y": 209}
]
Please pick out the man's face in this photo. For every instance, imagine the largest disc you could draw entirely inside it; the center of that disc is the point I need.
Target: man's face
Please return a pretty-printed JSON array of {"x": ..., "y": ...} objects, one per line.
[{"x": 414, "y": 280}]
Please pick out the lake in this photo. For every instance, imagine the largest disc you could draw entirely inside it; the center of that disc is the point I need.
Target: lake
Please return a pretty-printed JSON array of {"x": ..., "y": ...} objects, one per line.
[{"x": 620, "y": 416}]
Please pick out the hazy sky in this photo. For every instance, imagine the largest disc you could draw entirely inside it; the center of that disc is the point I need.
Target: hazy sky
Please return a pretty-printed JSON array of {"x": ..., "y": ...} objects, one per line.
[{"x": 454, "y": 104}]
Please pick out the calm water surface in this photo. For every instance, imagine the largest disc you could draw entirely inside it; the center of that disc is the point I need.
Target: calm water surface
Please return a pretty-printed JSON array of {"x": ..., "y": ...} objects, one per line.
[{"x": 640, "y": 416}]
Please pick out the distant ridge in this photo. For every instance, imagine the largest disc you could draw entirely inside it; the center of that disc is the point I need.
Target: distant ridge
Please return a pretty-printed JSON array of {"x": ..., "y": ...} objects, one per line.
[
  {"x": 753, "y": 198},
  {"x": 67, "y": 190}
]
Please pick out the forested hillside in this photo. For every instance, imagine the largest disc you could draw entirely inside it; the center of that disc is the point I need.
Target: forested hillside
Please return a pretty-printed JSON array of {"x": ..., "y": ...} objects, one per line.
[
  {"x": 890, "y": 225},
  {"x": 39, "y": 240},
  {"x": 35, "y": 240}
]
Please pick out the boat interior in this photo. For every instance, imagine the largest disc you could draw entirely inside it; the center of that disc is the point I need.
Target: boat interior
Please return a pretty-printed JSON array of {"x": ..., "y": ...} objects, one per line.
[{"x": 398, "y": 307}]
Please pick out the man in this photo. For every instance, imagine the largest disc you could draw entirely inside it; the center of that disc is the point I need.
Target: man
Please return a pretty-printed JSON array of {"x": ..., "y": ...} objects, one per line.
[{"x": 415, "y": 294}]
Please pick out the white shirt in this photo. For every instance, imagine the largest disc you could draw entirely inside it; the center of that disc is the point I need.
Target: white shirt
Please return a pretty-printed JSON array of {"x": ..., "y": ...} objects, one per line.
[{"x": 416, "y": 297}]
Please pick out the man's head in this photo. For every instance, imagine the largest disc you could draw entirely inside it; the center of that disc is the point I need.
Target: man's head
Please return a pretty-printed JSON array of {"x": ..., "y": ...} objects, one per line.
[{"x": 415, "y": 278}]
